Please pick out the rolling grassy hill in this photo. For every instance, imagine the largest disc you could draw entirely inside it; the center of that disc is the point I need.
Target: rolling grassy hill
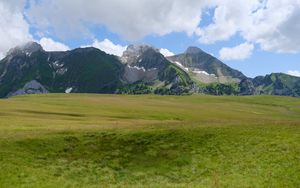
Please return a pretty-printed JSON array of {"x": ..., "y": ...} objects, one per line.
[{"x": 81, "y": 140}]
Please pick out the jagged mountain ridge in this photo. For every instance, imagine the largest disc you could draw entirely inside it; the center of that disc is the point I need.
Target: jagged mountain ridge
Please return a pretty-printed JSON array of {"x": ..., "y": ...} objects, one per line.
[{"x": 141, "y": 69}]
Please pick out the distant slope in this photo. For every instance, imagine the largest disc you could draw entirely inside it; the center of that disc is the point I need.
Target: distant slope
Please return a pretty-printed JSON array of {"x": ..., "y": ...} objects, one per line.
[{"x": 272, "y": 84}]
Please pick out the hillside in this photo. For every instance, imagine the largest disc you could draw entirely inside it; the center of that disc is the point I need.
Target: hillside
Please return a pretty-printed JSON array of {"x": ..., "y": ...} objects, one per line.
[{"x": 75, "y": 140}]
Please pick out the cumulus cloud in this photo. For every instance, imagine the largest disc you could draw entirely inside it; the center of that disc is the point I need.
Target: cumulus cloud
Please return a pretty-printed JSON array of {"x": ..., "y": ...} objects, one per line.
[
  {"x": 294, "y": 73},
  {"x": 240, "y": 52},
  {"x": 14, "y": 29},
  {"x": 166, "y": 52},
  {"x": 50, "y": 45},
  {"x": 276, "y": 26},
  {"x": 109, "y": 47},
  {"x": 229, "y": 17},
  {"x": 132, "y": 19},
  {"x": 273, "y": 24}
]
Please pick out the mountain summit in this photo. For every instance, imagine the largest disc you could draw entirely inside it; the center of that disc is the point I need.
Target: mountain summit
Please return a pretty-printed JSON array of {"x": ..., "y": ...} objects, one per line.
[
  {"x": 27, "y": 48},
  {"x": 133, "y": 52},
  {"x": 193, "y": 50},
  {"x": 205, "y": 68}
]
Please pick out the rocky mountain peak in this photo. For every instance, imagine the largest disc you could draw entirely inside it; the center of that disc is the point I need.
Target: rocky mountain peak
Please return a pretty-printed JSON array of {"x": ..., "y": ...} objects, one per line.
[
  {"x": 138, "y": 49},
  {"x": 133, "y": 52},
  {"x": 193, "y": 50},
  {"x": 27, "y": 48}
]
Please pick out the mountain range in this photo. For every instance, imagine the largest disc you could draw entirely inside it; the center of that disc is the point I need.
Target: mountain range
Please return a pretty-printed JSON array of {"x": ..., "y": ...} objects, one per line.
[{"x": 142, "y": 69}]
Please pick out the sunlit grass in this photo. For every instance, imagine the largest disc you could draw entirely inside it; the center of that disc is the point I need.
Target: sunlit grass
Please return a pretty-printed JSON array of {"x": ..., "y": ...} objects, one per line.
[{"x": 82, "y": 140}]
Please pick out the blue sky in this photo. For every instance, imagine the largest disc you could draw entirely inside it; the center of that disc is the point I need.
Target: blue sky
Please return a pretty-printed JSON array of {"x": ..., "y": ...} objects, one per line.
[{"x": 257, "y": 37}]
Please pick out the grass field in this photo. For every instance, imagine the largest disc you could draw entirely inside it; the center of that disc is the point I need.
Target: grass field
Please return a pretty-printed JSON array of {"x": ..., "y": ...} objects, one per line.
[{"x": 77, "y": 140}]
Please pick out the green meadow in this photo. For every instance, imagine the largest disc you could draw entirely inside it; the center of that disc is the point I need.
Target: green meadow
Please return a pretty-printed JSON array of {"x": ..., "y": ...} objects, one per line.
[{"x": 82, "y": 140}]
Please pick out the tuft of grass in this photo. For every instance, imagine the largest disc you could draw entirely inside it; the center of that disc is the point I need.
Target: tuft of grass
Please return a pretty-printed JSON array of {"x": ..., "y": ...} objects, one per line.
[{"x": 81, "y": 140}]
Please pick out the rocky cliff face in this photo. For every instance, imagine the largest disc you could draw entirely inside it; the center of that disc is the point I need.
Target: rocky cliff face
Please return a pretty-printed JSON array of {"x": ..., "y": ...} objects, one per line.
[
  {"x": 134, "y": 74},
  {"x": 133, "y": 53},
  {"x": 134, "y": 57}
]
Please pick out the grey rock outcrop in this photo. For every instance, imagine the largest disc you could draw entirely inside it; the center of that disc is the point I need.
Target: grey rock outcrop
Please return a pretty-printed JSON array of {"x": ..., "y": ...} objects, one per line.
[
  {"x": 134, "y": 74},
  {"x": 32, "y": 87}
]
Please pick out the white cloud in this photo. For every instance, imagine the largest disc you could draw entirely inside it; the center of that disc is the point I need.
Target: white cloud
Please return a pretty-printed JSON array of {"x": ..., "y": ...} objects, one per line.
[
  {"x": 166, "y": 52},
  {"x": 294, "y": 73},
  {"x": 132, "y": 19},
  {"x": 14, "y": 29},
  {"x": 50, "y": 45},
  {"x": 240, "y": 52},
  {"x": 229, "y": 17},
  {"x": 273, "y": 24},
  {"x": 108, "y": 47}
]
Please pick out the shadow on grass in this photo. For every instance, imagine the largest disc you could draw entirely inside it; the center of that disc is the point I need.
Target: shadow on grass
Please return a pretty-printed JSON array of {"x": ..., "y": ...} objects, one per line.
[{"x": 51, "y": 113}]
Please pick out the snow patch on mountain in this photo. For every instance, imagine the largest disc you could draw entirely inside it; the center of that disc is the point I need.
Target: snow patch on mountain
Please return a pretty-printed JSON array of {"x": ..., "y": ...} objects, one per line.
[
  {"x": 69, "y": 90},
  {"x": 181, "y": 66},
  {"x": 197, "y": 71}
]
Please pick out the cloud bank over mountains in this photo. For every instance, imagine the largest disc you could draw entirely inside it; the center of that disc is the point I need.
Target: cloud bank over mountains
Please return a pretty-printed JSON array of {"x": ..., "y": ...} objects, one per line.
[{"x": 271, "y": 25}]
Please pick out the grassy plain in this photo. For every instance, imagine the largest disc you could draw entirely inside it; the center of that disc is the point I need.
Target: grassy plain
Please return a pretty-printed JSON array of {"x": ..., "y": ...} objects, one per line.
[{"x": 81, "y": 140}]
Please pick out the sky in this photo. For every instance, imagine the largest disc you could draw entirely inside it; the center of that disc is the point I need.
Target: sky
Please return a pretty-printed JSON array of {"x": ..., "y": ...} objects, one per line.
[{"x": 257, "y": 37}]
